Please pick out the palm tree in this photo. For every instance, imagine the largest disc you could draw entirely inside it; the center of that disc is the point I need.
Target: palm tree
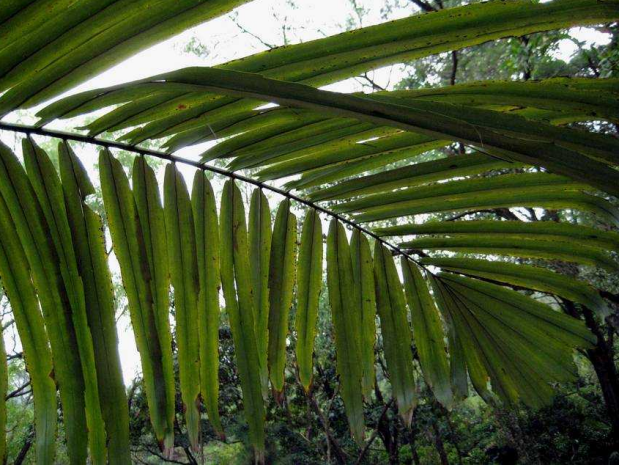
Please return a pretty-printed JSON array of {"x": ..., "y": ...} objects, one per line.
[{"x": 469, "y": 321}]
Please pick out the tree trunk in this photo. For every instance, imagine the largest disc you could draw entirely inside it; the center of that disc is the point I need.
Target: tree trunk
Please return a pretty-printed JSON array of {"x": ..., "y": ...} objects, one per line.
[
  {"x": 389, "y": 437},
  {"x": 451, "y": 434},
  {"x": 412, "y": 436},
  {"x": 441, "y": 450},
  {"x": 602, "y": 359},
  {"x": 607, "y": 375}
]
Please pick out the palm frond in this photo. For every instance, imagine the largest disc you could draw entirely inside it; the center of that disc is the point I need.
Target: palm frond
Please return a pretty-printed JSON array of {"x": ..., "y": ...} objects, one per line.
[{"x": 383, "y": 158}]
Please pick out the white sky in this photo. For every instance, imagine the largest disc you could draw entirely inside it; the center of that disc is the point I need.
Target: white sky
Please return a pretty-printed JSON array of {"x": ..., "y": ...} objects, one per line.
[{"x": 223, "y": 40}]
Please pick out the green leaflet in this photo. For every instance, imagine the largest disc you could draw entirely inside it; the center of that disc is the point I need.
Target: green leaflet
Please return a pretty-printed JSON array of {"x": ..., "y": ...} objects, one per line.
[
  {"x": 595, "y": 237},
  {"x": 464, "y": 358},
  {"x": 364, "y": 158},
  {"x": 463, "y": 193},
  {"x": 247, "y": 121},
  {"x": 281, "y": 283},
  {"x": 549, "y": 197},
  {"x": 413, "y": 37},
  {"x": 188, "y": 132},
  {"x": 364, "y": 282},
  {"x": 51, "y": 48},
  {"x": 427, "y": 333},
  {"x": 150, "y": 216},
  {"x": 107, "y": 122},
  {"x": 525, "y": 276},
  {"x": 255, "y": 139},
  {"x": 32, "y": 231},
  {"x": 235, "y": 271},
  {"x": 129, "y": 248},
  {"x": 112, "y": 398},
  {"x": 87, "y": 232},
  {"x": 291, "y": 143},
  {"x": 395, "y": 331},
  {"x": 571, "y": 251},
  {"x": 412, "y": 175},
  {"x": 309, "y": 282},
  {"x": 565, "y": 95},
  {"x": 522, "y": 344},
  {"x": 17, "y": 283},
  {"x": 566, "y": 151},
  {"x": 458, "y": 369},
  {"x": 223, "y": 127},
  {"x": 181, "y": 239},
  {"x": 298, "y": 158},
  {"x": 344, "y": 317},
  {"x": 337, "y": 147},
  {"x": 259, "y": 242},
  {"x": 48, "y": 190},
  {"x": 208, "y": 255},
  {"x": 345, "y": 55}
]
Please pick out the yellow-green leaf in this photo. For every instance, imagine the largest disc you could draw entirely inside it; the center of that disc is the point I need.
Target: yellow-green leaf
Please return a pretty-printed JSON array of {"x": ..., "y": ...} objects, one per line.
[
  {"x": 16, "y": 280},
  {"x": 208, "y": 255},
  {"x": 395, "y": 331},
  {"x": 309, "y": 282},
  {"x": 364, "y": 281},
  {"x": 153, "y": 229},
  {"x": 129, "y": 248},
  {"x": 181, "y": 239},
  {"x": 281, "y": 282},
  {"x": 235, "y": 272},
  {"x": 345, "y": 316},
  {"x": 259, "y": 237},
  {"x": 92, "y": 261},
  {"x": 427, "y": 333}
]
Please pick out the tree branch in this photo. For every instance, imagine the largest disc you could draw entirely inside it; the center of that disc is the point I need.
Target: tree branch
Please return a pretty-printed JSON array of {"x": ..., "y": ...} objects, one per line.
[
  {"x": 251, "y": 34},
  {"x": 423, "y": 6},
  {"x": 21, "y": 456},
  {"x": 373, "y": 84},
  {"x": 455, "y": 65},
  {"x": 18, "y": 392},
  {"x": 374, "y": 433},
  {"x": 341, "y": 457},
  {"x": 15, "y": 356}
]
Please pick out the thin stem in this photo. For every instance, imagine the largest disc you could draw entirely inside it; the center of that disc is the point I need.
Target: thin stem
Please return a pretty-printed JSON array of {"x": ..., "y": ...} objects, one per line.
[
  {"x": 374, "y": 433},
  {"x": 224, "y": 172}
]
